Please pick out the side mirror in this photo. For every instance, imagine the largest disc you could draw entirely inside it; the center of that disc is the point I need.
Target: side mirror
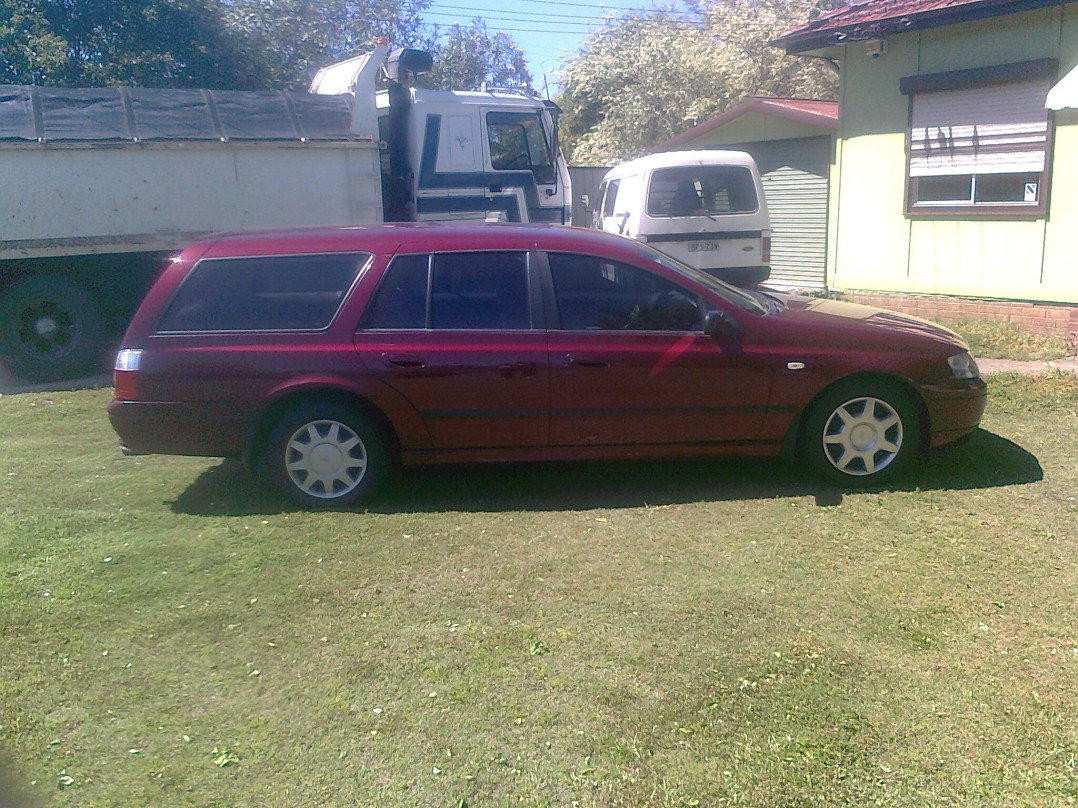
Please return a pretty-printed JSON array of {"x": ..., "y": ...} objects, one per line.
[
  {"x": 585, "y": 202},
  {"x": 720, "y": 325}
]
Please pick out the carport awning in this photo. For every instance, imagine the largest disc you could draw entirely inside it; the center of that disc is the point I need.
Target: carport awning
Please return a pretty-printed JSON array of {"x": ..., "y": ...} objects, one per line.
[{"x": 1065, "y": 94}]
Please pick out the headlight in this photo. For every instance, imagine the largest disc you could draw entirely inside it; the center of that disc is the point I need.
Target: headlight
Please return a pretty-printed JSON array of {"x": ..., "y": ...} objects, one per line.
[{"x": 963, "y": 366}]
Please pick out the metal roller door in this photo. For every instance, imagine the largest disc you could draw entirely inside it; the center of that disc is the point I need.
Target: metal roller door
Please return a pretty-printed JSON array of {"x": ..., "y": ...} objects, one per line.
[{"x": 794, "y": 174}]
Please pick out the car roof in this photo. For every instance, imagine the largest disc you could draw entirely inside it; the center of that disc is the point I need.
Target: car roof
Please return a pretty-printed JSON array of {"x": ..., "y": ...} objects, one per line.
[{"x": 405, "y": 237}]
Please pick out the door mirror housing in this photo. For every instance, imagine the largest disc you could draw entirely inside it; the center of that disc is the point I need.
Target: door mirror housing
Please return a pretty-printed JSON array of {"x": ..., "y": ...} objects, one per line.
[{"x": 720, "y": 325}]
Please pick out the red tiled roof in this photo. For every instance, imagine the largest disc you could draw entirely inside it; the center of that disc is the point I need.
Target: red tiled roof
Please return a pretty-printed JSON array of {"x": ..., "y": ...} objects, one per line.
[
  {"x": 813, "y": 111},
  {"x": 874, "y": 19}
]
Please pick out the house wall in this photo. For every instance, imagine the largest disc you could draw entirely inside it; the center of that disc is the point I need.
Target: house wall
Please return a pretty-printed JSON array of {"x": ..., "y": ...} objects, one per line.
[
  {"x": 876, "y": 247},
  {"x": 751, "y": 127}
]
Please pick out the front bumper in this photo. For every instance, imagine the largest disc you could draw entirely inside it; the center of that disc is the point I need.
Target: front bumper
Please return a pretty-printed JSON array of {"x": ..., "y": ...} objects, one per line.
[{"x": 954, "y": 410}]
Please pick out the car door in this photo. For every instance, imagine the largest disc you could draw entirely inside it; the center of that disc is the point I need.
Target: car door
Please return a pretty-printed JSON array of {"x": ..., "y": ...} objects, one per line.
[
  {"x": 452, "y": 333},
  {"x": 631, "y": 365}
]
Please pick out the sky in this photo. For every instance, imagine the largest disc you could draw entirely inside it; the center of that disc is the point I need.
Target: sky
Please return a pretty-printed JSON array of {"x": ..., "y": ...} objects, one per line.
[{"x": 547, "y": 31}]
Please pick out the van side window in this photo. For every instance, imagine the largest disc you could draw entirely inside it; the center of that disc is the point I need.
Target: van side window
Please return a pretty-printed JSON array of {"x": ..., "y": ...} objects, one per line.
[
  {"x": 701, "y": 191},
  {"x": 610, "y": 198},
  {"x": 595, "y": 294}
]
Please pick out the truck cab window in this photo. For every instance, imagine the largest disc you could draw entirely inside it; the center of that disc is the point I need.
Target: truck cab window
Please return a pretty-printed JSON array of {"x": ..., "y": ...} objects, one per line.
[{"x": 518, "y": 143}]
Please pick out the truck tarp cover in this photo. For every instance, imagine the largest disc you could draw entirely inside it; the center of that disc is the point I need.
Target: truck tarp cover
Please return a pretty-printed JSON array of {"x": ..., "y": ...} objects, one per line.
[{"x": 136, "y": 114}]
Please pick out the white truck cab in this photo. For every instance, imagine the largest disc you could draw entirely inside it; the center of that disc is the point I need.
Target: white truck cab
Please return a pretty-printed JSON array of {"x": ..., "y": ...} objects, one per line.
[
  {"x": 705, "y": 208},
  {"x": 451, "y": 155}
]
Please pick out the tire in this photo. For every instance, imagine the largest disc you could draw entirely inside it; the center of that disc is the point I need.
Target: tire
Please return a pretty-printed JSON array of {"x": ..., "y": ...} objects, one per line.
[
  {"x": 51, "y": 329},
  {"x": 861, "y": 434},
  {"x": 324, "y": 456}
]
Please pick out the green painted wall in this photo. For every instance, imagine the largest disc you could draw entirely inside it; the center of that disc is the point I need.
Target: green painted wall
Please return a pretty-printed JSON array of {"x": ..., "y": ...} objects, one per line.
[
  {"x": 874, "y": 246},
  {"x": 752, "y": 127}
]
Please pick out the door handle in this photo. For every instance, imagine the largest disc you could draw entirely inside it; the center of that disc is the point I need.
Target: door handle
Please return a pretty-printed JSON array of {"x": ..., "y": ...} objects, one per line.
[
  {"x": 585, "y": 362},
  {"x": 517, "y": 370},
  {"x": 402, "y": 361}
]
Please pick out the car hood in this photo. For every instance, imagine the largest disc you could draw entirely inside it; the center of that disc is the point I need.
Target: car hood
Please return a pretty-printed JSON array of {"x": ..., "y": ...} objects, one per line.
[{"x": 869, "y": 321}]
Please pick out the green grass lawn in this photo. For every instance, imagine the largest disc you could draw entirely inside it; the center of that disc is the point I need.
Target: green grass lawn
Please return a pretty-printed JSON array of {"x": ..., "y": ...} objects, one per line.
[
  {"x": 999, "y": 340},
  {"x": 655, "y": 634}
]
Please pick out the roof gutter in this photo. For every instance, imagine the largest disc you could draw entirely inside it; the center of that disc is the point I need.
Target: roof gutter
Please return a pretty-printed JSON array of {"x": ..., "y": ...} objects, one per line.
[{"x": 822, "y": 33}]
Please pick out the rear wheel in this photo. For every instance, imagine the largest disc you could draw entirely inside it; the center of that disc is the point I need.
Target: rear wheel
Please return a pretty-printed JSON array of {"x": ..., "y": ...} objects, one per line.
[
  {"x": 326, "y": 456},
  {"x": 51, "y": 329},
  {"x": 861, "y": 434}
]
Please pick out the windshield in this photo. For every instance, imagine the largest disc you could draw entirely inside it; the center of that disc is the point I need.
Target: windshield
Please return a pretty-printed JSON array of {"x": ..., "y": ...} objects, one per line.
[{"x": 731, "y": 294}]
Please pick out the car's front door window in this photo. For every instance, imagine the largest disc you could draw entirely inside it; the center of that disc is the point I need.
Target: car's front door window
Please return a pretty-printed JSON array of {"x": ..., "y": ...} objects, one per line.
[{"x": 594, "y": 294}]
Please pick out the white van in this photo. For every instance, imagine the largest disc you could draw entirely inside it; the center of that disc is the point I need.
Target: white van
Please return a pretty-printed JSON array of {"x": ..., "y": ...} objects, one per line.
[{"x": 704, "y": 208}]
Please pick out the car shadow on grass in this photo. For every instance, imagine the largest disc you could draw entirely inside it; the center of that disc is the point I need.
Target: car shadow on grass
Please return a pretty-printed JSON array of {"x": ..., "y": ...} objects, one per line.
[{"x": 985, "y": 460}]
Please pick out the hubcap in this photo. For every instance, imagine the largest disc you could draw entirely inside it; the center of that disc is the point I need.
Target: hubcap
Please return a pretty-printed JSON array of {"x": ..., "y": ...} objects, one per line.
[
  {"x": 46, "y": 329},
  {"x": 325, "y": 459},
  {"x": 862, "y": 436}
]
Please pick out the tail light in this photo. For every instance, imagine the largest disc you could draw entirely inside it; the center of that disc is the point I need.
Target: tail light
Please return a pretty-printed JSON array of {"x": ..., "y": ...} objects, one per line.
[
  {"x": 767, "y": 248},
  {"x": 125, "y": 373}
]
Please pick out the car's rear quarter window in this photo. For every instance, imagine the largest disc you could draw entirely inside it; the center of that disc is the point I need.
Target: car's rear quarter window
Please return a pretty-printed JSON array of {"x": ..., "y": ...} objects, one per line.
[{"x": 263, "y": 293}]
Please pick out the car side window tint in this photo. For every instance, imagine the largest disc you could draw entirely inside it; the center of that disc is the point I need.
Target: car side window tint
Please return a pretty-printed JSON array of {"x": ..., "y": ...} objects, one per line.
[
  {"x": 401, "y": 299},
  {"x": 480, "y": 290},
  {"x": 263, "y": 293},
  {"x": 596, "y": 294}
]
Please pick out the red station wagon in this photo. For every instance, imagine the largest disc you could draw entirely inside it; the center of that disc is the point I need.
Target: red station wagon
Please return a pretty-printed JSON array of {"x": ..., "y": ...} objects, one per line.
[{"x": 325, "y": 357}]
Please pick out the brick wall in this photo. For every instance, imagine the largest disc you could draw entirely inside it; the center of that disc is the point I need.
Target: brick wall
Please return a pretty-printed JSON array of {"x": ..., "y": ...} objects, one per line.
[{"x": 1039, "y": 318}]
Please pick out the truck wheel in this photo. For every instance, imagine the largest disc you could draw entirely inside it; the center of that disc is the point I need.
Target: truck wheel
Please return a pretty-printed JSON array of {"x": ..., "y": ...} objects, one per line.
[{"x": 51, "y": 329}]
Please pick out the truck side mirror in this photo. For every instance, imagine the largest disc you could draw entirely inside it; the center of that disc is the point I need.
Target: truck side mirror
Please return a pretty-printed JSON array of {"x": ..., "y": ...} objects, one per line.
[{"x": 720, "y": 325}]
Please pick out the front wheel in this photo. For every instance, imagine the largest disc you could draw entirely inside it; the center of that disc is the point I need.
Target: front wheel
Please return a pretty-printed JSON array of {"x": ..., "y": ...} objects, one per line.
[
  {"x": 861, "y": 435},
  {"x": 325, "y": 456}
]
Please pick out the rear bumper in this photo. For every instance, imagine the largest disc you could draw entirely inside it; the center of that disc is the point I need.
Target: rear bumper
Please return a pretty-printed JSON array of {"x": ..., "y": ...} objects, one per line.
[{"x": 201, "y": 430}]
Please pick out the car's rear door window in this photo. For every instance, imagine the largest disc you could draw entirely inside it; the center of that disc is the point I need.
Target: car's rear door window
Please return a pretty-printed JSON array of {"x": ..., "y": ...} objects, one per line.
[
  {"x": 454, "y": 291},
  {"x": 263, "y": 293},
  {"x": 401, "y": 299},
  {"x": 596, "y": 294}
]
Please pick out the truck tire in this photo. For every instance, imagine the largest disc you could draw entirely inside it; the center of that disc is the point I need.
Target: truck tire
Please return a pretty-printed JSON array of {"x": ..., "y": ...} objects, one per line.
[{"x": 51, "y": 329}]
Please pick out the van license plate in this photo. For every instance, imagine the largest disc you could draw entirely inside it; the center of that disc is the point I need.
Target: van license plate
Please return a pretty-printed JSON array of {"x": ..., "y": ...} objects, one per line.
[{"x": 703, "y": 246}]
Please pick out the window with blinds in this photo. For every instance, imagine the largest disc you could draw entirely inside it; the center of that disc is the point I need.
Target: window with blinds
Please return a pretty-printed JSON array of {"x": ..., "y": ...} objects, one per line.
[{"x": 979, "y": 144}]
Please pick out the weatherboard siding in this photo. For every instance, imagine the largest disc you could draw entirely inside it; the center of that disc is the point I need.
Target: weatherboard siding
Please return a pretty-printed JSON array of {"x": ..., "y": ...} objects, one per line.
[{"x": 875, "y": 246}]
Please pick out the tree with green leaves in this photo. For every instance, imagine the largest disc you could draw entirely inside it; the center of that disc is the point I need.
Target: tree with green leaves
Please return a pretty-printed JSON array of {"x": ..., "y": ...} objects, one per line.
[
  {"x": 646, "y": 77},
  {"x": 297, "y": 37},
  {"x": 30, "y": 51},
  {"x": 470, "y": 57},
  {"x": 147, "y": 43}
]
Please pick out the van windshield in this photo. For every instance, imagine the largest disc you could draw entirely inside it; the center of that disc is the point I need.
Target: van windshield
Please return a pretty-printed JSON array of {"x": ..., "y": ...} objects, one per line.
[{"x": 699, "y": 190}]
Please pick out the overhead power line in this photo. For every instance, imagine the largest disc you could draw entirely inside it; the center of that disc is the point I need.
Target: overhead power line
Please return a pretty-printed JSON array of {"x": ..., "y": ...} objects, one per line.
[{"x": 528, "y": 14}]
